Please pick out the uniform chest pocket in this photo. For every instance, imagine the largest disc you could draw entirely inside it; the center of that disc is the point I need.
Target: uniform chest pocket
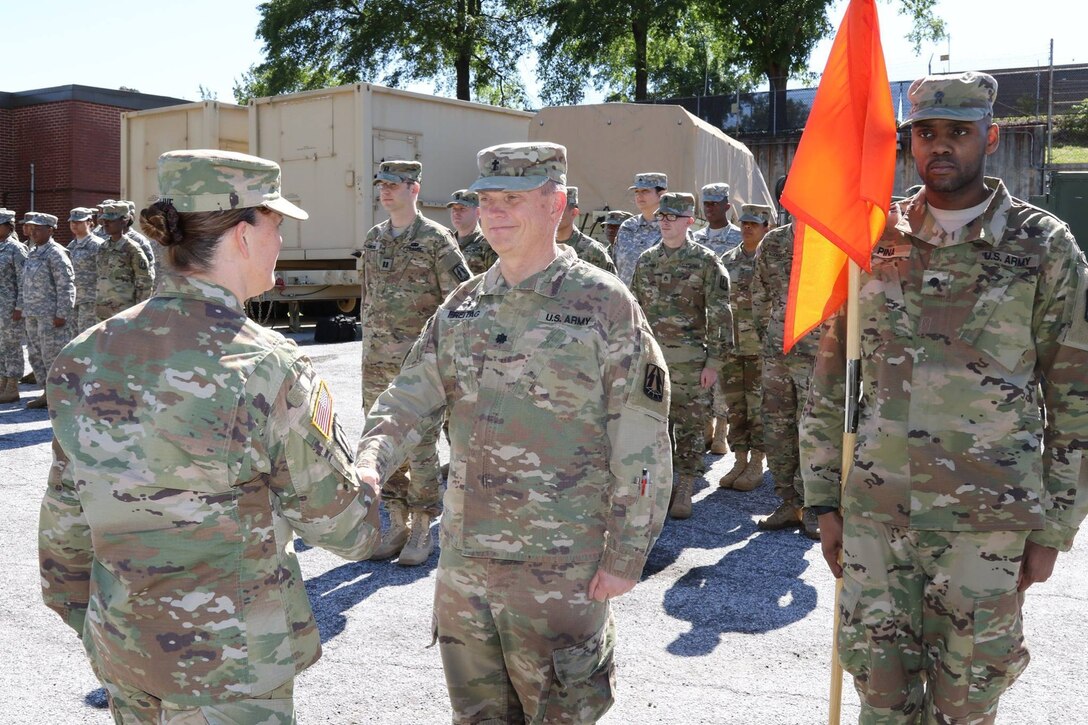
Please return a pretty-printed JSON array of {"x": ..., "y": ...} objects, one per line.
[
  {"x": 562, "y": 376},
  {"x": 999, "y": 325}
]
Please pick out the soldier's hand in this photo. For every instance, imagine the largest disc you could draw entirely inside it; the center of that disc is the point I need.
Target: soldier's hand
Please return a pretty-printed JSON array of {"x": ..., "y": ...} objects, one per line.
[
  {"x": 606, "y": 586},
  {"x": 831, "y": 541},
  {"x": 17, "y": 315},
  {"x": 1037, "y": 565},
  {"x": 58, "y": 322},
  {"x": 708, "y": 377}
]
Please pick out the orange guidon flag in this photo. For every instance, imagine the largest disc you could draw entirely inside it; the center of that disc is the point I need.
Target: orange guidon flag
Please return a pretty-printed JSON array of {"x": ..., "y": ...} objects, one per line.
[{"x": 841, "y": 179}]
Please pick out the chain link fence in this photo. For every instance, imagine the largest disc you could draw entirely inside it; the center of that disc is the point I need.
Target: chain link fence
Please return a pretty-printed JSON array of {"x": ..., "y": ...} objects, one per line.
[{"x": 1023, "y": 98}]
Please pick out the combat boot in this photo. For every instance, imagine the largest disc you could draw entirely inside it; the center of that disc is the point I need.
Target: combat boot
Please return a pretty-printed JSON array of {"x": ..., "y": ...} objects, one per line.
[
  {"x": 752, "y": 476},
  {"x": 708, "y": 435},
  {"x": 29, "y": 379},
  {"x": 718, "y": 446},
  {"x": 786, "y": 516},
  {"x": 680, "y": 508},
  {"x": 810, "y": 524},
  {"x": 733, "y": 473},
  {"x": 420, "y": 543},
  {"x": 38, "y": 403},
  {"x": 393, "y": 538},
  {"x": 9, "y": 390}
]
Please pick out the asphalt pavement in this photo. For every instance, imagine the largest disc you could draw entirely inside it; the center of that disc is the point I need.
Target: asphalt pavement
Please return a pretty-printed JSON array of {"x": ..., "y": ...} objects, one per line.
[{"x": 729, "y": 625}]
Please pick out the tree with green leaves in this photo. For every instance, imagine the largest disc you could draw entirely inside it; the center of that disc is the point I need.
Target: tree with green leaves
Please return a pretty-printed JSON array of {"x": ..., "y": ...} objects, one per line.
[{"x": 471, "y": 46}]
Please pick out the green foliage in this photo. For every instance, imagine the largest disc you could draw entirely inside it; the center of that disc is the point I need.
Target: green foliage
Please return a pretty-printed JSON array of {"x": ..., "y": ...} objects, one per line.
[
  {"x": 1074, "y": 125},
  {"x": 469, "y": 46}
]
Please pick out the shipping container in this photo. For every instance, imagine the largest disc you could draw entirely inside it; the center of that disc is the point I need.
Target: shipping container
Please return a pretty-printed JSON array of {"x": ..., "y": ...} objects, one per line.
[
  {"x": 146, "y": 135},
  {"x": 329, "y": 144},
  {"x": 608, "y": 143}
]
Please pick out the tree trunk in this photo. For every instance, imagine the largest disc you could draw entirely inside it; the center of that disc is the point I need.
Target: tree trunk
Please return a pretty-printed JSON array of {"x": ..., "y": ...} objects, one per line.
[
  {"x": 462, "y": 64},
  {"x": 641, "y": 31},
  {"x": 777, "y": 119}
]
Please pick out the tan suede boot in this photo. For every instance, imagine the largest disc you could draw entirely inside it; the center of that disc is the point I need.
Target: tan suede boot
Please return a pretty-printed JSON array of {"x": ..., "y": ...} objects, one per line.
[
  {"x": 786, "y": 516},
  {"x": 393, "y": 538},
  {"x": 739, "y": 465},
  {"x": 38, "y": 403},
  {"x": 718, "y": 446},
  {"x": 420, "y": 543},
  {"x": 708, "y": 435},
  {"x": 752, "y": 476},
  {"x": 681, "y": 500},
  {"x": 9, "y": 390}
]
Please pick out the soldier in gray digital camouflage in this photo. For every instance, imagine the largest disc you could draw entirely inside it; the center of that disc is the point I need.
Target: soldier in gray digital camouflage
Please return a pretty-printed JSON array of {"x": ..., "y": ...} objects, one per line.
[
  {"x": 585, "y": 247},
  {"x": 124, "y": 272},
  {"x": 684, "y": 291},
  {"x": 740, "y": 385},
  {"x": 560, "y": 472},
  {"x": 12, "y": 259},
  {"x": 191, "y": 446},
  {"x": 83, "y": 251},
  {"x": 640, "y": 232},
  {"x": 409, "y": 265},
  {"x": 785, "y": 383},
  {"x": 46, "y": 299},
  {"x": 465, "y": 220},
  {"x": 969, "y": 474}
]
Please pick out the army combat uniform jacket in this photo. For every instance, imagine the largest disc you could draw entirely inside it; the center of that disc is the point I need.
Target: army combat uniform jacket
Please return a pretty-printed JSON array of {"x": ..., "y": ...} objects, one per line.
[
  {"x": 770, "y": 288},
  {"x": 634, "y": 237},
  {"x": 557, "y": 397},
  {"x": 590, "y": 250},
  {"x": 974, "y": 399},
  {"x": 685, "y": 296},
  {"x": 721, "y": 240},
  {"x": 477, "y": 252},
  {"x": 741, "y": 267},
  {"x": 12, "y": 260},
  {"x": 124, "y": 276},
  {"x": 191, "y": 446},
  {"x": 405, "y": 278}
]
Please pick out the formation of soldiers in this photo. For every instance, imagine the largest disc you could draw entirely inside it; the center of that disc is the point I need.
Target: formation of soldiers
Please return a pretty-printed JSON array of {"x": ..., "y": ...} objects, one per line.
[{"x": 50, "y": 293}]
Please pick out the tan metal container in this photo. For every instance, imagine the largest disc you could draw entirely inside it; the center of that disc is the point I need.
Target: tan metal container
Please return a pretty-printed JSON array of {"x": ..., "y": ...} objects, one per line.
[
  {"x": 329, "y": 144},
  {"x": 608, "y": 143},
  {"x": 146, "y": 135}
]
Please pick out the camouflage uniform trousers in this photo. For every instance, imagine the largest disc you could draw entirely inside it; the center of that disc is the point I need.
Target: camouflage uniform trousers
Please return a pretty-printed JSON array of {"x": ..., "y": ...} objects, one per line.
[
  {"x": 521, "y": 642},
  {"x": 785, "y": 388},
  {"x": 422, "y": 491},
  {"x": 134, "y": 707},
  {"x": 930, "y": 623},
  {"x": 86, "y": 317},
  {"x": 44, "y": 344},
  {"x": 687, "y": 417},
  {"x": 740, "y": 386},
  {"x": 11, "y": 348}
]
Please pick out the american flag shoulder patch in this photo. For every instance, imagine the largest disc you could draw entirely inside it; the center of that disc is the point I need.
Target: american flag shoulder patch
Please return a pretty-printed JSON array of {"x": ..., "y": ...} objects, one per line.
[{"x": 321, "y": 416}]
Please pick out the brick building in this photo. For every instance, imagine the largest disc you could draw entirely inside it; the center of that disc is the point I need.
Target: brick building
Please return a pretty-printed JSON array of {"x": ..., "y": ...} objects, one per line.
[{"x": 61, "y": 147}]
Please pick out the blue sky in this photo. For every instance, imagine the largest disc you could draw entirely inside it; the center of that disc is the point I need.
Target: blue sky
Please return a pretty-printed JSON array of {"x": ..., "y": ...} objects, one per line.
[{"x": 172, "y": 48}]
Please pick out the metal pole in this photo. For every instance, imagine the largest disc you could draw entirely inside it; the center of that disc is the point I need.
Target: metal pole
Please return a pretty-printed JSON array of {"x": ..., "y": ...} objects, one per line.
[
  {"x": 32, "y": 186},
  {"x": 1050, "y": 110}
]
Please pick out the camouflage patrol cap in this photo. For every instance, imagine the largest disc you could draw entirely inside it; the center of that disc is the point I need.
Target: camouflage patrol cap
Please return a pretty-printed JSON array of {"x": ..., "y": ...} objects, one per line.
[
  {"x": 960, "y": 97},
  {"x": 464, "y": 197},
  {"x": 572, "y": 196},
  {"x": 715, "y": 192},
  {"x": 212, "y": 180},
  {"x": 615, "y": 218},
  {"x": 116, "y": 210},
  {"x": 520, "y": 166},
  {"x": 758, "y": 213},
  {"x": 7, "y": 216},
  {"x": 394, "y": 172},
  {"x": 80, "y": 214},
  {"x": 105, "y": 202},
  {"x": 42, "y": 220},
  {"x": 131, "y": 208},
  {"x": 675, "y": 202},
  {"x": 650, "y": 180}
]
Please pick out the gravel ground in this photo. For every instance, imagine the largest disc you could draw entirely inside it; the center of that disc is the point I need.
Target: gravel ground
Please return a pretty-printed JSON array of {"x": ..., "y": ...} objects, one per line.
[{"x": 730, "y": 625}]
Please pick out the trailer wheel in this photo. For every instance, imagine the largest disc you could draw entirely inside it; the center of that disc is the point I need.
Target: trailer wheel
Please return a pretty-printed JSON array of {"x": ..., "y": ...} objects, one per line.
[{"x": 348, "y": 305}]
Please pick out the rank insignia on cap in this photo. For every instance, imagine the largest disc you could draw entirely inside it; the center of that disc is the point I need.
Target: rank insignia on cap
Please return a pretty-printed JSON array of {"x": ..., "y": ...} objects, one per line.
[
  {"x": 322, "y": 416},
  {"x": 653, "y": 385}
]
